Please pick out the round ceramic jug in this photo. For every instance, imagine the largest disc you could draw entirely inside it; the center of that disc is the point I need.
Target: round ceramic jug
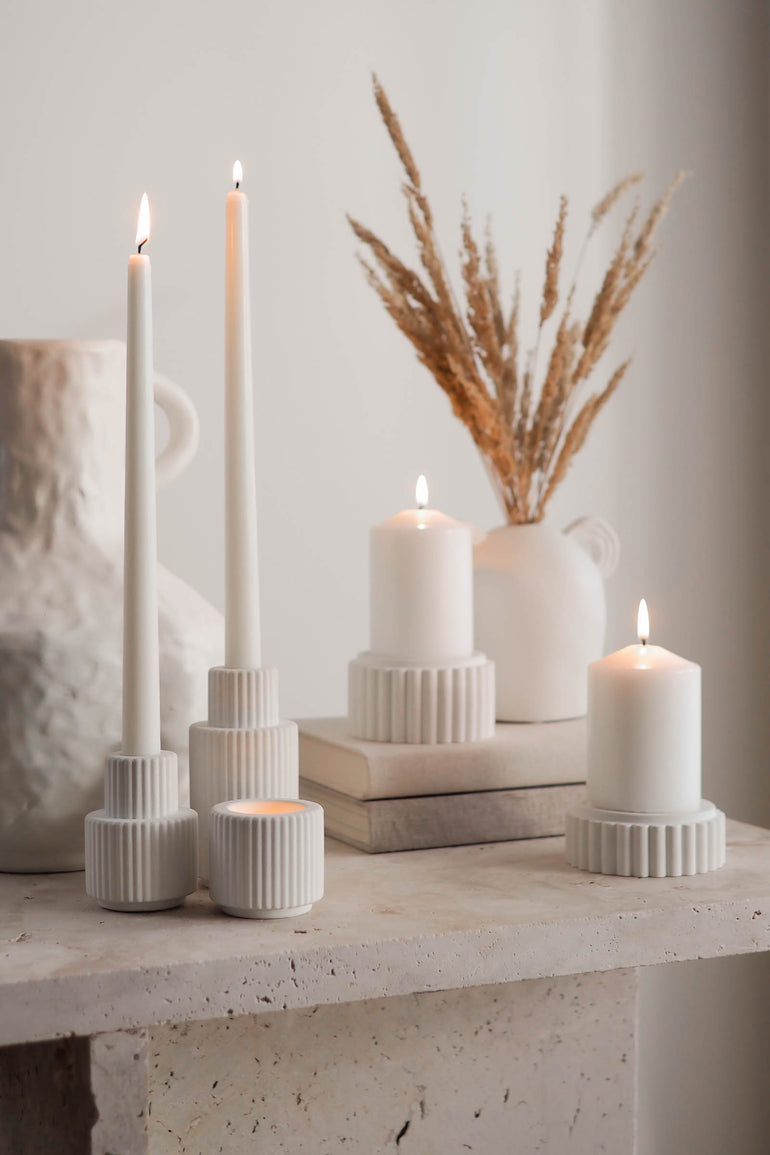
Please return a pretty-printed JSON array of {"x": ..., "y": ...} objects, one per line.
[
  {"x": 62, "y": 423},
  {"x": 540, "y": 614}
]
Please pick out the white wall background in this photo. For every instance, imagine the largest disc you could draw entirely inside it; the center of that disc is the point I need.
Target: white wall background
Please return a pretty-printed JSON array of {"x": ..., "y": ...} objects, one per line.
[{"x": 511, "y": 103}]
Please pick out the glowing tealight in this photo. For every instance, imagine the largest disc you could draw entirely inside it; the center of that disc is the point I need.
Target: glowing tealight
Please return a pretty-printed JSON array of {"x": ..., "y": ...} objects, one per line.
[{"x": 264, "y": 806}]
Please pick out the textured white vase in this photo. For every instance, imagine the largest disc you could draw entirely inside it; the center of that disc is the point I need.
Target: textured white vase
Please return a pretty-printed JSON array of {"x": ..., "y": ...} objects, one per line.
[
  {"x": 62, "y": 421},
  {"x": 540, "y": 614}
]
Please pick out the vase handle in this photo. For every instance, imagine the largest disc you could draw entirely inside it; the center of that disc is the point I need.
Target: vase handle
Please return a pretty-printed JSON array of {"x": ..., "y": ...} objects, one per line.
[
  {"x": 599, "y": 540},
  {"x": 183, "y": 430}
]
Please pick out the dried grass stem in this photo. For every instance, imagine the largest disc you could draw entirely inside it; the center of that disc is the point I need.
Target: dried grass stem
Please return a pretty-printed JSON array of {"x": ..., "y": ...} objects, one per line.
[{"x": 527, "y": 431}]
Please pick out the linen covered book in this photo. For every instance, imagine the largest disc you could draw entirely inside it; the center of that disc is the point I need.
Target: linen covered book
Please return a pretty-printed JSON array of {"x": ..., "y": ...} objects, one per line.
[
  {"x": 381, "y": 796},
  {"x": 526, "y": 754},
  {"x": 431, "y": 820}
]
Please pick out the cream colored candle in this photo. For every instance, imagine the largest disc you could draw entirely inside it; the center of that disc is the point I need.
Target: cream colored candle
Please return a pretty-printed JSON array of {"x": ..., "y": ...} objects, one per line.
[
  {"x": 141, "y": 669},
  {"x": 421, "y": 579},
  {"x": 644, "y": 729},
  {"x": 242, "y": 632}
]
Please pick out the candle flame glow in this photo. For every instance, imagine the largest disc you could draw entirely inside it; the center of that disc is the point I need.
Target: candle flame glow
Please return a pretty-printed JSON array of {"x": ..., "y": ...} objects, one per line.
[
  {"x": 143, "y": 224},
  {"x": 237, "y": 173},
  {"x": 262, "y": 806},
  {"x": 643, "y": 621},
  {"x": 421, "y": 492}
]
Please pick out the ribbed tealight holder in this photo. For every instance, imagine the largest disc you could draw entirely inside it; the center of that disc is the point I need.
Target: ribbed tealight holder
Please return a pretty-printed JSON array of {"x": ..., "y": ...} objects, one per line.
[
  {"x": 244, "y": 750},
  {"x": 141, "y": 849},
  {"x": 389, "y": 702},
  {"x": 646, "y": 845},
  {"x": 266, "y": 857}
]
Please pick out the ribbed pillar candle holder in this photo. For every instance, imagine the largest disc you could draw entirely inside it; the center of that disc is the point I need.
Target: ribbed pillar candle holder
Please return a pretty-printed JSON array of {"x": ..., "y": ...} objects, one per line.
[
  {"x": 646, "y": 845},
  {"x": 141, "y": 849},
  {"x": 414, "y": 703},
  {"x": 643, "y": 815},
  {"x": 244, "y": 750},
  {"x": 266, "y": 857}
]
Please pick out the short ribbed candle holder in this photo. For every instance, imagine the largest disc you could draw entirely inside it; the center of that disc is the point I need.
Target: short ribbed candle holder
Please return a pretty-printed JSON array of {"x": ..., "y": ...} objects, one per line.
[
  {"x": 245, "y": 750},
  {"x": 410, "y": 702},
  {"x": 266, "y": 857},
  {"x": 141, "y": 849}
]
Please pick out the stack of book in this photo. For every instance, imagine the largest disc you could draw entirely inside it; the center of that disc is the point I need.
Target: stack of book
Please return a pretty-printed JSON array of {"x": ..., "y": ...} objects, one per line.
[{"x": 380, "y": 796}]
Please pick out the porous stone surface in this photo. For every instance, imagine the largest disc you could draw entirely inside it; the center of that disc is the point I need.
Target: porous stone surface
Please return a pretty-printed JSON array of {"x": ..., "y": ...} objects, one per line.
[
  {"x": 389, "y": 924},
  {"x": 119, "y": 1085},
  {"x": 547, "y": 1065},
  {"x": 61, "y": 601}
]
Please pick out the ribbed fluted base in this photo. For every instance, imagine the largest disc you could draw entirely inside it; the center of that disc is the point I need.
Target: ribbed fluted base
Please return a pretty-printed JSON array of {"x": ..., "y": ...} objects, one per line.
[
  {"x": 646, "y": 845},
  {"x": 243, "y": 699},
  {"x": 142, "y": 785},
  {"x": 418, "y": 704},
  {"x": 141, "y": 850},
  {"x": 244, "y": 750},
  {"x": 266, "y": 858}
]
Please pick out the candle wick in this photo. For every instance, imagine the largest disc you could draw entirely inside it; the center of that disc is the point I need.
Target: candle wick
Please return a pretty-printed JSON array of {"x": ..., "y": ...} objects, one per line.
[
  {"x": 644, "y": 641},
  {"x": 139, "y": 246},
  {"x": 237, "y": 184}
]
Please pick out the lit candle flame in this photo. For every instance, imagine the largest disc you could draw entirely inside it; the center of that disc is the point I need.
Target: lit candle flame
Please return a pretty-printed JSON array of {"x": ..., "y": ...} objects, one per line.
[
  {"x": 421, "y": 492},
  {"x": 143, "y": 224},
  {"x": 643, "y": 622},
  {"x": 237, "y": 173}
]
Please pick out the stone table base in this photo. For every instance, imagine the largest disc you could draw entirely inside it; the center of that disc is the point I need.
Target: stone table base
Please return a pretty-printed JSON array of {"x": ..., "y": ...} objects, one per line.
[{"x": 542, "y": 1065}]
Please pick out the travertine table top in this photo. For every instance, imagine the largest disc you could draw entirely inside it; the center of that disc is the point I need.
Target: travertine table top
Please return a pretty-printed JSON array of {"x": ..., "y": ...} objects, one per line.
[{"x": 390, "y": 924}]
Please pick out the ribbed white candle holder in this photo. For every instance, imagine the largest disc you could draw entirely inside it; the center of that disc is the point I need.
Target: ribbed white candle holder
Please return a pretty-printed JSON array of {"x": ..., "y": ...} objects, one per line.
[
  {"x": 141, "y": 849},
  {"x": 245, "y": 750},
  {"x": 390, "y": 702},
  {"x": 266, "y": 857},
  {"x": 646, "y": 845}
]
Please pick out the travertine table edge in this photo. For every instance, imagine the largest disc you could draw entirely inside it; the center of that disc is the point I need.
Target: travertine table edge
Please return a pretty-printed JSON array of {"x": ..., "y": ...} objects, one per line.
[{"x": 390, "y": 925}]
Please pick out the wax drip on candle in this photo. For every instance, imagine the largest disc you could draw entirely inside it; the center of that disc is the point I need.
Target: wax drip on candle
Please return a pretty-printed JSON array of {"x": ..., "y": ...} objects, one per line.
[
  {"x": 421, "y": 492},
  {"x": 643, "y": 622},
  {"x": 143, "y": 224},
  {"x": 237, "y": 173}
]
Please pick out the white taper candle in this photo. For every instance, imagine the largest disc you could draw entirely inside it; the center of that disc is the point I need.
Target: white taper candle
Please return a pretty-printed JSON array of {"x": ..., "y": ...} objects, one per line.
[
  {"x": 141, "y": 671},
  {"x": 242, "y": 635}
]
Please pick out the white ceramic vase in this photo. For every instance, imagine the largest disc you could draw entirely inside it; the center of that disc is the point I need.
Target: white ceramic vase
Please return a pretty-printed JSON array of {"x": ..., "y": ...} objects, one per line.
[
  {"x": 62, "y": 422},
  {"x": 540, "y": 614}
]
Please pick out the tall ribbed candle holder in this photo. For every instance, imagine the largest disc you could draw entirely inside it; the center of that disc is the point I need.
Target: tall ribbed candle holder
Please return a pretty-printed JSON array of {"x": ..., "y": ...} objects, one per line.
[
  {"x": 141, "y": 849},
  {"x": 244, "y": 750}
]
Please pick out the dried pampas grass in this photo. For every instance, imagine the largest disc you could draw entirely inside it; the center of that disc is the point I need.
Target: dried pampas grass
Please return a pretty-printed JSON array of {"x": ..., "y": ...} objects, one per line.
[{"x": 527, "y": 430}]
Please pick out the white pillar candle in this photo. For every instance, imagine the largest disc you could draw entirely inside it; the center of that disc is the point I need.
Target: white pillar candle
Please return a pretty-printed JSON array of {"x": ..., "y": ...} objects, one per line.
[
  {"x": 141, "y": 671},
  {"x": 421, "y": 575},
  {"x": 242, "y": 635},
  {"x": 644, "y": 729}
]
